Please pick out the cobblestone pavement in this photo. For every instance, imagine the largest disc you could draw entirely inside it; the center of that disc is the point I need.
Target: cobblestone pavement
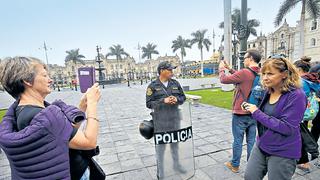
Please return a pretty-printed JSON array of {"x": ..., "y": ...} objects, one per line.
[{"x": 127, "y": 155}]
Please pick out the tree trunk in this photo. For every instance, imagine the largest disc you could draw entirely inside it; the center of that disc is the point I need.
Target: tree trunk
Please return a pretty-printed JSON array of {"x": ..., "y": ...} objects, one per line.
[
  {"x": 118, "y": 69},
  {"x": 301, "y": 27},
  {"x": 201, "y": 63},
  {"x": 181, "y": 57}
]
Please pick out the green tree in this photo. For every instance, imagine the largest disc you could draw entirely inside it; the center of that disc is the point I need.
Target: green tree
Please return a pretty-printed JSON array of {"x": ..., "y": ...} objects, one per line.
[
  {"x": 74, "y": 56},
  {"x": 311, "y": 6},
  {"x": 118, "y": 51},
  {"x": 236, "y": 22},
  {"x": 181, "y": 44},
  {"x": 148, "y": 50},
  {"x": 201, "y": 41}
]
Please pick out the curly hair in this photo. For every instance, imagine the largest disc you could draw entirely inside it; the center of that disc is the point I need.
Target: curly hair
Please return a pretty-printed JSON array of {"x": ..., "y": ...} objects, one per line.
[{"x": 292, "y": 81}]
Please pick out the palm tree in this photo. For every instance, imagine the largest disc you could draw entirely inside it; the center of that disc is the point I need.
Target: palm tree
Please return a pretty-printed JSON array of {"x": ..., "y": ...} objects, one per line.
[
  {"x": 198, "y": 38},
  {"x": 118, "y": 51},
  {"x": 181, "y": 44},
  {"x": 148, "y": 50},
  {"x": 236, "y": 22},
  {"x": 75, "y": 57},
  {"x": 312, "y": 6}
]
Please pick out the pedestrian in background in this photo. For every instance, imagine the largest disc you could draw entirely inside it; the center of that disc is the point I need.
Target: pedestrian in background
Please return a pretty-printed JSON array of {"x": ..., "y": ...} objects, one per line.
[
  {"x": 242, "y": 122},
  {"x": 310, "y": 85}
]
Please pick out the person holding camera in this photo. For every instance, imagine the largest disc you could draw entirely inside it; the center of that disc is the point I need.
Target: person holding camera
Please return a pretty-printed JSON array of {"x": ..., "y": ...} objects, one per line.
[
  {"x": 278, "y": 145},
  {"x": 163, "y": 96},
  {"x": 35, "y": 135},
  {"x": 242, "y": 122}
]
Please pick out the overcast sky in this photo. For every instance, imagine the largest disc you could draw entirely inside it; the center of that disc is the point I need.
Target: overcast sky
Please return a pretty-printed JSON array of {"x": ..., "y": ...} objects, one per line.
[{"x": 70, "y": 24}]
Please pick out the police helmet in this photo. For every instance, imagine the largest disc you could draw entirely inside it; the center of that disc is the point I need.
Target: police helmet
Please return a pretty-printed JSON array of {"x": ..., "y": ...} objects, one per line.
[{"x": 146, "y": 129}]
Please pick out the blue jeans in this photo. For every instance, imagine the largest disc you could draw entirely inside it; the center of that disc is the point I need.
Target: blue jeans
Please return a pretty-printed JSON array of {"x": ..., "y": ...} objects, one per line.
[{"x": 241, "y": 125}]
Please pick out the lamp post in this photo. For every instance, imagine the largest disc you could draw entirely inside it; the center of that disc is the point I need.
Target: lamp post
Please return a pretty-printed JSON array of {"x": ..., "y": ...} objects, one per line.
[
  {"x": 100, "y": 68},
  {"x": 234, "y": 42},
  {"x": 243, "y": 31}
]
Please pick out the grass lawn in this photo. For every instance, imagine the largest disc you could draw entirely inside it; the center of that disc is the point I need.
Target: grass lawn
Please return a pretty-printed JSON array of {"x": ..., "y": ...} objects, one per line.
[
  {"x": 214, "y": 97},
  {"x": 2, "y": 113}
]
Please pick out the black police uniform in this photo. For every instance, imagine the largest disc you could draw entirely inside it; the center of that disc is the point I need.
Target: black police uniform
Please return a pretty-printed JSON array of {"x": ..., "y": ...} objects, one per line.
[{"x": 166, "y": 116}]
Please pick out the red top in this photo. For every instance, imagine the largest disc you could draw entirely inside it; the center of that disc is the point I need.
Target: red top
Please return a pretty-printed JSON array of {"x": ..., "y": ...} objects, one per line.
[{"x": 243, "y": 80}]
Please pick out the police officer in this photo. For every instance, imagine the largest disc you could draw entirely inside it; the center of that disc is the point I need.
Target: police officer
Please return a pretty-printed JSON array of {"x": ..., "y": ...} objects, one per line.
[{"x": 163, "y": 96}]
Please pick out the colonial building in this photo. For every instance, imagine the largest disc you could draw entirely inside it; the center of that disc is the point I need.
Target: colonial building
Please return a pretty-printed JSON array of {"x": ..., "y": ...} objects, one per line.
[
  {"x": 286, "y": 40},
  {"x": 122, "y": 69},
  {"x": 311, "y": 39},
  {"x": 260, "y": 43},
  {"x": 282, "y": 41}
]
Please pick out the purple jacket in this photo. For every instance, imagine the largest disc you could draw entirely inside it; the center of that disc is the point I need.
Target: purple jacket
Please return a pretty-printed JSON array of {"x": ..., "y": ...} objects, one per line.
[
  {"x": 283, "y": 137},
  {"x": 40, "y": 150}
]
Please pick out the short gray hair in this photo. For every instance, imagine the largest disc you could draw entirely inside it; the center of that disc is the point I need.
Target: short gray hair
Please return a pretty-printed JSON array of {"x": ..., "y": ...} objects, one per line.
[{"x": 14, "y": 71}]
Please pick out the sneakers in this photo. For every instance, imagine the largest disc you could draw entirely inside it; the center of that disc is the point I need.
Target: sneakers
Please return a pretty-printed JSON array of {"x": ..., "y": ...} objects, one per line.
[{"x": 232, "y": 168}]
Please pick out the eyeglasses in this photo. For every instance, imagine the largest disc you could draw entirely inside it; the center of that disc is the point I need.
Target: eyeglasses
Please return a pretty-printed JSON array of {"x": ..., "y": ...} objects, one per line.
[{"x": 281, "y": 58}]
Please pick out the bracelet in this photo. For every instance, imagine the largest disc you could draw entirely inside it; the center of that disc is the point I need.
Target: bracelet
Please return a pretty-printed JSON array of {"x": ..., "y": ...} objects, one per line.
[{"x": 93, "y": 118}]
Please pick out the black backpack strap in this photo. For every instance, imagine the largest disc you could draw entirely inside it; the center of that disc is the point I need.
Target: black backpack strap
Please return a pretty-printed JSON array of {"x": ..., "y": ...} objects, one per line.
[
  {"x": 243, "y": 96},
  {"x": 254, "y": 73}
]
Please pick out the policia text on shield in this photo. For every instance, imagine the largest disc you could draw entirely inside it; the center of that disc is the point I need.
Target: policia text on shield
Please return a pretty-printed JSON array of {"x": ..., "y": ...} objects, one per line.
[{"x": 166, "y": 98}]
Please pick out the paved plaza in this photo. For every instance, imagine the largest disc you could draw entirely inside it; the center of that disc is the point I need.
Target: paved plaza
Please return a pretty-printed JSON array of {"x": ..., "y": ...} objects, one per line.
[{"x": 127, "y": 155}]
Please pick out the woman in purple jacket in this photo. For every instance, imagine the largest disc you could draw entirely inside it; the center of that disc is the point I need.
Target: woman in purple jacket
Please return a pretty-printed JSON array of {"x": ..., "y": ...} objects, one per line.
[
  {"x": 278, "y": 145},
  {"x": 37, "y": 136}
]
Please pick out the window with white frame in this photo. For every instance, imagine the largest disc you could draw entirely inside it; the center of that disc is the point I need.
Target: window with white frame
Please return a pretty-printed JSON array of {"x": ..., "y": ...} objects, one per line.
[
  {"x": 314, "y": 25},
  {"x": 313, "y": 42}
]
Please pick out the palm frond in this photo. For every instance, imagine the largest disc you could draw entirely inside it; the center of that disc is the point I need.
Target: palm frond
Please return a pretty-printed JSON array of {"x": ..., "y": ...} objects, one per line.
[
  {"x": 253, "y": 23},
  {"x": 221, "y": 25},
  {"x": 313, "y": 8},
  {"x": 207, "y": 43},
  {"x": 284, "y": 9},
  {"x": 252, "y": 31},
  {"x": 144, "y": 55}
]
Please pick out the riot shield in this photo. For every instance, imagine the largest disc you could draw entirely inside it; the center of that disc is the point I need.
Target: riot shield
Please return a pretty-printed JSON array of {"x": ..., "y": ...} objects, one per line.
[{"x": 173, "y": 141}]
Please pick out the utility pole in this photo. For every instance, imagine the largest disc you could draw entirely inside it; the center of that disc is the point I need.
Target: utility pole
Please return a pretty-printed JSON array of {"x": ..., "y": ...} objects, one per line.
[
  {"x": 227, "y": 40},
  {"x": 139, "y": 49},
  {"x": 213, "y": 41},
  {"x": 227, "y": 31},
  {"x": 45, "y": 48}
]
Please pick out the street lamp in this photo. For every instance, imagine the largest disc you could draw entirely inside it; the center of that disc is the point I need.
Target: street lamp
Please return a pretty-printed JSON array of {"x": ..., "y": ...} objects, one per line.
[
  {"x": 243, "y": 31},
  {"x": 235, "y": 42},
  {"x": 100, "y": 68}
]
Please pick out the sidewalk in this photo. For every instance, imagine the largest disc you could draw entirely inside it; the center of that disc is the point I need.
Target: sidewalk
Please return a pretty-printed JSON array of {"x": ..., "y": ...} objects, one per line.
[{"x": 127, "y": 155}]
